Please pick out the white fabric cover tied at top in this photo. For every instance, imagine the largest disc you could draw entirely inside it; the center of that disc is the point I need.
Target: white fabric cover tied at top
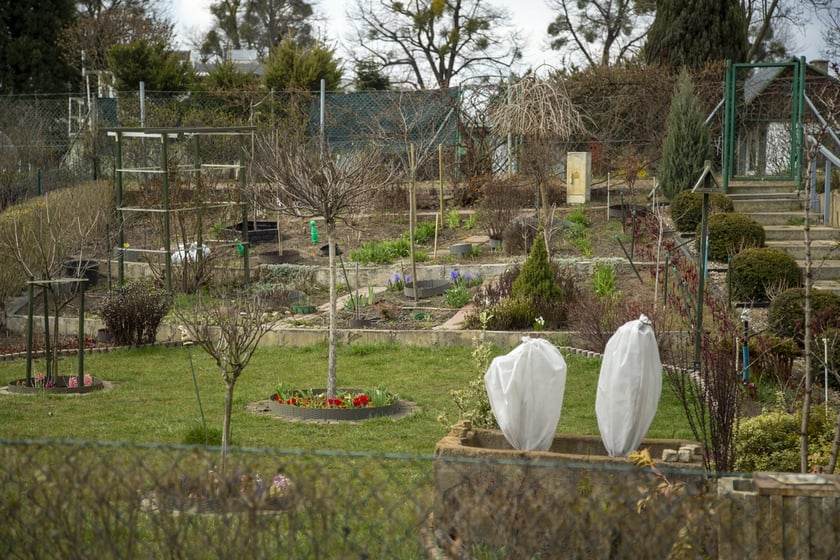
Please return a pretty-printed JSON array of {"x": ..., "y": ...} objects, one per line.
[
  {"x": 525, "y": 388},
  {"x": 629, "y": 387}
]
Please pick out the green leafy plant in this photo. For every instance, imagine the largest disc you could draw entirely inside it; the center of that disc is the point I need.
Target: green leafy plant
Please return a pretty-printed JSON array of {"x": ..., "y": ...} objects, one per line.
[
  {"x": 578, "y": 216},
  {"x": 386, "y": 252},
  {"x": 360, "y": 301},
  {"x": 472, "y": 401},
  {"x": 770, "y": 441},
  {"x": 423, "y": 232},
  {"x": 471, "y": 222},
  {"x": 604, "y": 281},
  {"x": 457, "y": 296},
  {"x": 453, "y": 219}
]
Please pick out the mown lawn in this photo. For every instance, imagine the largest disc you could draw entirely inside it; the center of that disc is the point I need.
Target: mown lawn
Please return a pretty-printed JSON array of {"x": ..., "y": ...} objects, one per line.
[{"x": 153, "y": 398}]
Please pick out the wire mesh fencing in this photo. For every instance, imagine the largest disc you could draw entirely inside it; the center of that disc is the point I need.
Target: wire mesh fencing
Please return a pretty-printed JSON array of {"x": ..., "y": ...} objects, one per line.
[{"x": 79, "y": 500}]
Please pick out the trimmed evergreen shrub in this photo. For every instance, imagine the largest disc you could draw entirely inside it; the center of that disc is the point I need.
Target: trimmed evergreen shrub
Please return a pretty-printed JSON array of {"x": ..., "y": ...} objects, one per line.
[
  {"x": 786, "y": 315},
  {"x": 687, "y": 208},
  {"x": 537, "y": 280},
  {"x": 756, "y": 270},
  {"x": 730, "y": 233}
]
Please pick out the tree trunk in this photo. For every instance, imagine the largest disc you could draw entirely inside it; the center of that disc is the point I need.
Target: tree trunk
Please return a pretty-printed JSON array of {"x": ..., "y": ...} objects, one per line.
[
  {"x": 331, "y": 381},
  {"x": 226, "y": 423}
]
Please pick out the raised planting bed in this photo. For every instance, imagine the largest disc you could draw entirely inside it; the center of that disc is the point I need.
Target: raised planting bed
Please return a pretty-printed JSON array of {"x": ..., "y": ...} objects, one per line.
[
  {"x": 273, "y": 256},
  {"x": 258, "y": 232},
  {"x": 425, "y": 288},
  {"x": 460, "y": 249},
  {"x": 572, "y": 501}
]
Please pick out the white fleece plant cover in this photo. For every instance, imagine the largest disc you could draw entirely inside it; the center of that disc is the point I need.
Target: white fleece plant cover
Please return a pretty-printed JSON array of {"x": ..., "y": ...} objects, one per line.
[
  {"x": 526, "y": 388},
  {"x": 629, "y": 387}
]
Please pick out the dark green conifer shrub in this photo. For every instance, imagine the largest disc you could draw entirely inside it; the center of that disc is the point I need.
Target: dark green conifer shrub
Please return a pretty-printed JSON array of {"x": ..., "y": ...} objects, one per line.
[
  {"x": 687, "y": 208},
  {"x": 537, "y": 280},
  {"x": 730, "y": 233},
  {"x": 757, "y": 271},
  {"x": 786, "y": 314}
]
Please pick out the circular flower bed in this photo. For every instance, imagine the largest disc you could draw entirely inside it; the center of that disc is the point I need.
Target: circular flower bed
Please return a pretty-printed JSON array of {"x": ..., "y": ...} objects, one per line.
[
  {"x": 349, "y": 404},
  {"x": 62, "y": 384}
]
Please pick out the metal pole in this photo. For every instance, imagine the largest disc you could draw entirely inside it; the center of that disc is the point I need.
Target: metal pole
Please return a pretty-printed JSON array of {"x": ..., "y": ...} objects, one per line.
[
  {"x": 412, "y": 209},
  {"x": 321, "y": 122},
  {"x": 825, "y": 381},
  {"x": 701, "y": 282},
  {"x": 440, "y": 179},
  {"x": 142, "y": 103},
  {"x": 246, "y": 252},
  {"x": 729, "y": 281},
  {"x": 118, "y": 175},
  {"x": 827, "y": 194},
  {"x": 745, "y": 372},
  {"x": 167, "y": 240},
  {"x": 47, "y": 333},
  {"x": 81, "y": 373},
  {"x": 30, "y": 294}
]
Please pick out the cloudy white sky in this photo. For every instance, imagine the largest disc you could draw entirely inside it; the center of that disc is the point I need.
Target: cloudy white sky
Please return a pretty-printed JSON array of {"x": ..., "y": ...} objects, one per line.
[{"x": 530, "y": 16}]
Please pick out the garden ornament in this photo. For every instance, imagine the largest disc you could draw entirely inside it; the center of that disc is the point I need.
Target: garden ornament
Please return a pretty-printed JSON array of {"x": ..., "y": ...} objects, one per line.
[{"x": 313, "y": 229}]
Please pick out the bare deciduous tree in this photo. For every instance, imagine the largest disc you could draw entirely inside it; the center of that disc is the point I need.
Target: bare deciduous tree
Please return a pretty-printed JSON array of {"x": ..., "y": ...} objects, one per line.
[
  {"x": 309, "y": 182},
  {"x": 44, "y": 234},
  {"x": 229, "y": 331}
]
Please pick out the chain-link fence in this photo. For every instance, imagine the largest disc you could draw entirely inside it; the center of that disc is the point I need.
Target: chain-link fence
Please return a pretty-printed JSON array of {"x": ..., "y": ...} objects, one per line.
[
  {"x": 76, "y": 500},
  {"x": 624, "y": 111}
]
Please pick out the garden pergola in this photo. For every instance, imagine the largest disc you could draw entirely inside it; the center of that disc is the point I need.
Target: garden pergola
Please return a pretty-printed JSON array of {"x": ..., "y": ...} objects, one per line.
[{"x": 165, "y": 138}]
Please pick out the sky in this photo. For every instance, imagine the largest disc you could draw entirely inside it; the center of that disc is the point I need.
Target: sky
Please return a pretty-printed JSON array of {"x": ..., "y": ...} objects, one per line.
[{"x": 531, "y": 17}]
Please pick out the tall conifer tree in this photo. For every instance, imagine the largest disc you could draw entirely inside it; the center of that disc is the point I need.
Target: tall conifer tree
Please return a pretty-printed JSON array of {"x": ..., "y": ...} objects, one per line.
[
  {"x": 687, "y": 142},
  {"x": 693, "y": 32},
  {"x": 30, "y": 58}
]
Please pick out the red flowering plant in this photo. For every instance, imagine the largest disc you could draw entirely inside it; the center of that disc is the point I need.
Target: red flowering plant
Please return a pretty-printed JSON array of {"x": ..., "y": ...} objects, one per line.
[{"x": 349, "y": 398}]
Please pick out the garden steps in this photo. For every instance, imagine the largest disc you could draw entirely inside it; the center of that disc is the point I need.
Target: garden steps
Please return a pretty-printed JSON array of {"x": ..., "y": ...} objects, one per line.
[
  {"x": 760, "y": 188},
  {"x": 828, "y": 286},
  {"x": 796, "y": 233},
  {"x": 823, "y": 270},
  {"x": 792, "y": 218},
  {"x": 768, "y": 202},
  {"x": 777, "y": 205},
  {"x": 820, "y": 249}
]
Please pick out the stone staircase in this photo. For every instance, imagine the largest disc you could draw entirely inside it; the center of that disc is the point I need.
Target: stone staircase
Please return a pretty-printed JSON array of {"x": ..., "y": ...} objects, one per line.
[{"x": 778, "y": 207}]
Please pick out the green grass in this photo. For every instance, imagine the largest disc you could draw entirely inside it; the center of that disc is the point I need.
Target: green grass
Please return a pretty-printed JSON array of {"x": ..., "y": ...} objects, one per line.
[{"x": 153, "y": 398}]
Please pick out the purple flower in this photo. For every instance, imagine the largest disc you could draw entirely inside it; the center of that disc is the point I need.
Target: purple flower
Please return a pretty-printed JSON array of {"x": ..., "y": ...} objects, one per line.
[{"x": 454, "y": 276}]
